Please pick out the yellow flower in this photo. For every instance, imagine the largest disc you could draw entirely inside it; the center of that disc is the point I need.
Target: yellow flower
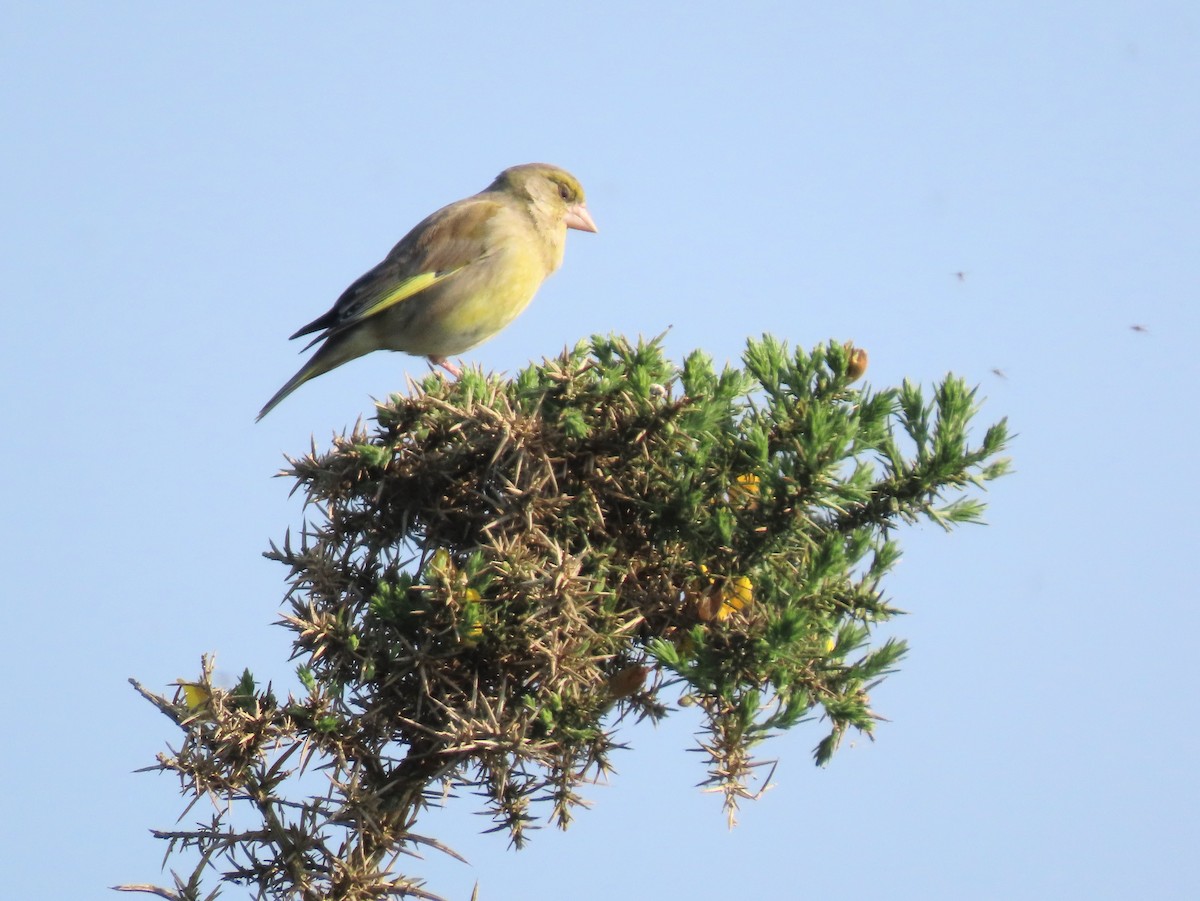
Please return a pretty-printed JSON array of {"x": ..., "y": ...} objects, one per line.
[
  {"x": 736, "y": 594},
  {"x": 719, "y": 598},
  {"x": 744, "y": 491},
  {"x": 195, "y": 694},
  {"x": 748, "y": 482}
]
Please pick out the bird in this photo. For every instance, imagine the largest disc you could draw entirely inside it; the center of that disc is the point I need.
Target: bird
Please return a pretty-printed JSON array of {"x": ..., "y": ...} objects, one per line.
[{"x": 458, "y": 278}]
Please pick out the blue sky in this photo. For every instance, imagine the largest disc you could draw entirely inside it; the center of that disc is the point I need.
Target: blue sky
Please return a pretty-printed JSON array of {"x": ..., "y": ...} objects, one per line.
[{"x": 185, "y": 186}]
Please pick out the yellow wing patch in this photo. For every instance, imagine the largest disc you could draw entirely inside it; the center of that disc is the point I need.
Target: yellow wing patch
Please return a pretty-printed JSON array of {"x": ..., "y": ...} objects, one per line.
[{"x": 404, "y": 291}]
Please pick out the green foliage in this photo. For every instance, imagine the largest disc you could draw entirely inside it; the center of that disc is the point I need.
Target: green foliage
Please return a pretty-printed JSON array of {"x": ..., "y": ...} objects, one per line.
[{"x": 499, "y": 571}]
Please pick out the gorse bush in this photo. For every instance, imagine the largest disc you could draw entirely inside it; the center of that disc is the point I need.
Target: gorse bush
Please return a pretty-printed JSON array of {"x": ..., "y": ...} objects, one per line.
[{"x": 497, "y": 572}]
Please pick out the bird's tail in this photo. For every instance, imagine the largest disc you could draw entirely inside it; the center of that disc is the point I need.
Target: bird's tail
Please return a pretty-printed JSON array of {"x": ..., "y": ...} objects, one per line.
[
  {"x": 292, "y": 384},
  {"x": 336, "y": 350}
]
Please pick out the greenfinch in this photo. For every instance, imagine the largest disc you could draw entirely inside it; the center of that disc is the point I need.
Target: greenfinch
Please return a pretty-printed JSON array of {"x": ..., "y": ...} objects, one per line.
[{"x": 455, "y": 280}]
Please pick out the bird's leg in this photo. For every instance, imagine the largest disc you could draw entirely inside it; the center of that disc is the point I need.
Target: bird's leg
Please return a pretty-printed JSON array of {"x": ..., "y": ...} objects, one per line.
[{"x": 446, "y": 365}]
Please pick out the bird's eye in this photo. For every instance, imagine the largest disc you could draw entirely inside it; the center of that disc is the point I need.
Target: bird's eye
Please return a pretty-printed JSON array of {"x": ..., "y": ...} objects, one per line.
[{"x": 564, "y": 191}]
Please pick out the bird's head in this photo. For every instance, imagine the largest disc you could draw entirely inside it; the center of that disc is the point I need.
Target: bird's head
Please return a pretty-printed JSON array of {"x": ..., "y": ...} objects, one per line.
[{"x": 555, "y": 191}]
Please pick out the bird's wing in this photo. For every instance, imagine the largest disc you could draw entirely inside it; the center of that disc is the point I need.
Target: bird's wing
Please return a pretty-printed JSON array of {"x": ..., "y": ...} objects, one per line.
[{"x": 450, "y": 240}]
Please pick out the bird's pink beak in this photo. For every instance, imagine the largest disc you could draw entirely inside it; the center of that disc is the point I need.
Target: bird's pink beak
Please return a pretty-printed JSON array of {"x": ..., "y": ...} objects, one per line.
[{"x": 579, "y": 217}]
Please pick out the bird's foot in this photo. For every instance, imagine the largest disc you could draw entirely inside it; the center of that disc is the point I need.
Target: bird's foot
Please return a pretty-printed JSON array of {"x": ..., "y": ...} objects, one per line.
[{"x": 446, "y": 365}]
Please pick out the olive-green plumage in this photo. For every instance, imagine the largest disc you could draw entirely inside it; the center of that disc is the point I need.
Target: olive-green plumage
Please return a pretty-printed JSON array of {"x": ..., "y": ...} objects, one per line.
[{"x": 456, "y": 279}]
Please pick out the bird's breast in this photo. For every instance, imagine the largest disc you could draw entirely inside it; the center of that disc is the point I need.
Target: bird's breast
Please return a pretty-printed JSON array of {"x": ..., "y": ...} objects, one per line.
[{"x": 463, "y": 310}]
